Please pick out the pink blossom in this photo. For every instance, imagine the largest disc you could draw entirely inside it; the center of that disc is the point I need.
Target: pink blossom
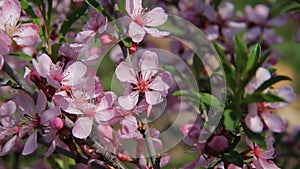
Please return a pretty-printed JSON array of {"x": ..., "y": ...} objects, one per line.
[
  {"x": 262, "y": 158},
  {"x": 260, "y": 114},
  {"x": 147, "y": 84},
  {"x": 88, "y": 109},
  {"x": 96, "y": 24},
  {"x": 23, "y": 34},
  {"x": 37, "y": 117},
  {"x": 9, "y": 127},
  {"x": 1, "y": 61},
  {"x": 219, "y": 143},
  {"x": 164, "y": 160},
  {"x": 5, "y": 42},
  {"x": 72, "y": 76},
  {"x": 141, "y": 20}
]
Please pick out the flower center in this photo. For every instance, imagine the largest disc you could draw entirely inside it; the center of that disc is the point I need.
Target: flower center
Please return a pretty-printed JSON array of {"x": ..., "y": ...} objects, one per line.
[
  {"x": 56, "y": 72},
  {"x": 257, "y": 151},
  {"x": 142, "y": 86}
]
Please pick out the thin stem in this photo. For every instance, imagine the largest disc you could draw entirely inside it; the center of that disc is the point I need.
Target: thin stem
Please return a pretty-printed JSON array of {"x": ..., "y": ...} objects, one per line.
[
  {"x": 119, "y": 25},
  {"x": 149, "y": 141},
  {"x": 16, "y": 77}
]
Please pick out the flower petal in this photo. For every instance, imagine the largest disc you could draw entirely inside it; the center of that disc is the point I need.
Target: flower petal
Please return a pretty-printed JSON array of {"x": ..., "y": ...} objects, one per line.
[
  {"x": 149, "y": 64},
  {"x": 155, "y": 32},
  {"x": 49, "y": 114},
  {"x": 26, "y": 34},
  {"x": 267, "y": 164},
  {"x": 226, "y": 10},
  {"x": 105, "y": 115},
  {"x": 156, "y": 17},
  {"x": 162, "y": 82},
  {"x": 153, "y": 97},
  {"x": 31, "y": 144},
  {"x": 25, "y": 103},
  {"x": 133, "y": 7},
  {"x": 51, "y": 149},
  {"x": 41, "y": 102},
  {"x": 129, "y": 101},
  {"x": 8, "y": 108},
  {"x": 285, "y": 92},
  {"x": 274, "y": 122},
  {"x": 8, "y": 146},
  {"x": 125, "y": 73},
  {"x": 73, "y": 75},
  {"x": 253, "y": 121},
  {"x": 11, "y": 11},
  {"x": 136, "y": 32},
  {"x": 82, "y": 127},
  {"x": 43, "y": 65}
]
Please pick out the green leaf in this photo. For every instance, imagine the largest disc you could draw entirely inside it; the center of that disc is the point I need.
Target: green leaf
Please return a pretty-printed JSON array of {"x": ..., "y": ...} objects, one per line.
[
  {"x": 234, "y": 157},
  {"x": 22, "y": 55},
  {"x": 258, "y": 138},
  {"x": 210, "y": 100},
  {"x": 228, "y": 67},
  {"x": 29, "y": 11},
  {"x": 197, "y": 64},
  {"x": 127, "y": 42},
  {"x": 271, "y": 81},
  {"x": 71, "y": 18},
  {"x": 241, "y": 56},
  {"x": 99, "y": 8},
  {"x": 213, "y": 164},
  {"x": 258, "y": 97},
  {"x": 230, "y": 120},
  {"x": 253, "y": 56}
]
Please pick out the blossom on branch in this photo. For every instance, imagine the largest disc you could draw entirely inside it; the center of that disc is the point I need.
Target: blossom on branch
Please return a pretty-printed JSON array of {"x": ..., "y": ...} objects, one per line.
[
  {"x": 141, "y": 21},
  {"x": 147, "y": 84}
]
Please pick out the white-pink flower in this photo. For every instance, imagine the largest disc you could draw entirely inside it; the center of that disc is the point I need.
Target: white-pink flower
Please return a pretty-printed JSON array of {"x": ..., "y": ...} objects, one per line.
[
  {"x": 146, "y": 84},
  {"x": 88, "y": 109},
  {"x": 141, "y": 21},
  {"x": 58, "y": 76},
  {"x": 37, "y": 116},
  {"x": 22, "y": 34},
  {"x": 262, "y": 158},
  {"x": 260, "y": 114}
]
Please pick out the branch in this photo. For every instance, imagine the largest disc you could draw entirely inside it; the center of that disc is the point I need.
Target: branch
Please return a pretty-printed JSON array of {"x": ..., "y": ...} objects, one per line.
[
  {"x": 14, "y": 75},
  {"x": 149, "y": 142}
]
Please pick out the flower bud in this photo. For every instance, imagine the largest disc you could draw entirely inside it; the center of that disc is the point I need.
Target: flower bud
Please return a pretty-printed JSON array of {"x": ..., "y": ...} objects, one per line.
[{"x": 56, "y": 123}]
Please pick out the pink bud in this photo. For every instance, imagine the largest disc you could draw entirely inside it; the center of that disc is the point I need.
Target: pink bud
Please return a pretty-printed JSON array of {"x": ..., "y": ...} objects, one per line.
[
  {"x": 107, "y": 39},
  {"x": 218, "y": 143},
  {"x": 56, "y": 123}
]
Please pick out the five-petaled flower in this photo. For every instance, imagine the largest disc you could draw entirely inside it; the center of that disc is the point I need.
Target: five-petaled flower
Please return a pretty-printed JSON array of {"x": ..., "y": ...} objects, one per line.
[
  {"x": 147, "y": 84},
  {"x": 141, "y": 20}
]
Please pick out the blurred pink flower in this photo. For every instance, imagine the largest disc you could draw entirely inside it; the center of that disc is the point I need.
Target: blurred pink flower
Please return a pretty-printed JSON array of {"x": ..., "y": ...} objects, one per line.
[
  {"x": 23, "y": 34},
  {"x": 260, "y": 114},
  {"x": 38, "y": 117},
  {"x": 56, "y": 75},
  {"x": 262, "y": 158},
  {"x": 88, "y": 109},
  {"x": 147, "y": 84},
  {"x": 96, "y": 24},
  {"x": 137, "y": 28}
]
